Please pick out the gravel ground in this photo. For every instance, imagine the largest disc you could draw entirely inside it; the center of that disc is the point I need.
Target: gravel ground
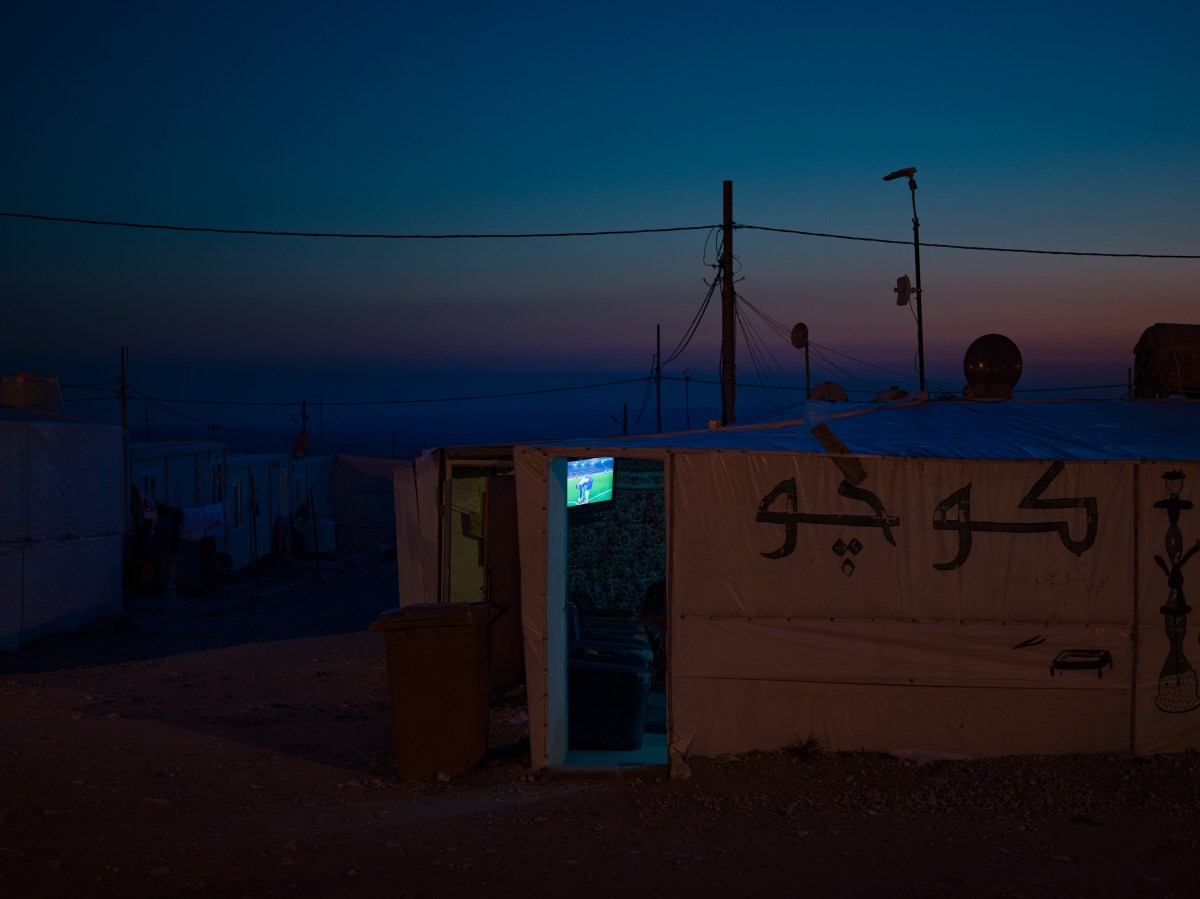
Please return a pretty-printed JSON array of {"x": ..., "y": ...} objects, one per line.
[{"x": 240, "y": 745}]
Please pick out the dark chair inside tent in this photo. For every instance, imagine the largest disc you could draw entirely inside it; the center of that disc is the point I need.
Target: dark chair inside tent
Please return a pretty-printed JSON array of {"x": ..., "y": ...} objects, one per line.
[{"x": 609, "y": 677}]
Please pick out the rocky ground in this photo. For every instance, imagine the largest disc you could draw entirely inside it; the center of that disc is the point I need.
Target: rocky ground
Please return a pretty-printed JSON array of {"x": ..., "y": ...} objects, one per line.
[{"x": 240, "y": 745}]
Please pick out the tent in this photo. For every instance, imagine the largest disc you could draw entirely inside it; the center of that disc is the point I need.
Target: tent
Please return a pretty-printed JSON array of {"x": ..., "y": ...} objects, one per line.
[
  {"x": 61, "y": 522},
  {"x": 456, "y": 541},
  {"x": 364, "y": 504},
  {"x": 968, "y": 577}
]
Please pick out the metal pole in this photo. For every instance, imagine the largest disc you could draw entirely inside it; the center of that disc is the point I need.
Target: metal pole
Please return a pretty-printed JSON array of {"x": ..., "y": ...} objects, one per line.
[
  {"x": 912, "y": 186},
  {"x": 728, "y": 320},
  {"x": 807, "y": 378},
  {"x": 124, "y": 387},
  {"x": 687, "y": 406},
  {"x": 658, "y": 379}
]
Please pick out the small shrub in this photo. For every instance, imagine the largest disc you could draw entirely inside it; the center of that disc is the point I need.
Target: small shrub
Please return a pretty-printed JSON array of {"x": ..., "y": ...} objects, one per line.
[{"x": 803, "y": 748}]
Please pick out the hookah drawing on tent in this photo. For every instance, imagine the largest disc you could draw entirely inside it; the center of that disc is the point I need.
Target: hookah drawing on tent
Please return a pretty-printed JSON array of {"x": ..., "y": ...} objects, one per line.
[{"x": 1177, "y": 683}]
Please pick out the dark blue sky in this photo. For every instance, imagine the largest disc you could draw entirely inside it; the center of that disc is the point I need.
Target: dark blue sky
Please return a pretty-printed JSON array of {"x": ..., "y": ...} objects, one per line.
[{"x": 1044, "y": 126}]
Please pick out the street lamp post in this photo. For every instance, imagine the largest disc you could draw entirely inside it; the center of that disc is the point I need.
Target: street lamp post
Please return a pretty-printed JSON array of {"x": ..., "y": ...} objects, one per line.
[{"x": 912, "y": 186}]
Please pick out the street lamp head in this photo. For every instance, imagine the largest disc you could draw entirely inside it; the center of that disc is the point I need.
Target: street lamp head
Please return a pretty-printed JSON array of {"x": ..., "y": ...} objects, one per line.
[{"x": 901, "y": 173}]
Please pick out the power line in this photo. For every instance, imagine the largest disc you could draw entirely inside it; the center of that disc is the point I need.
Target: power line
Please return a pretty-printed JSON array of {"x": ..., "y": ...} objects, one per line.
[
  {"x": 527, "y": 235},
  {"x": 441, "y": 399},
  {"x": 341, "y": 234},
  {"x": 955, "y": 246}
]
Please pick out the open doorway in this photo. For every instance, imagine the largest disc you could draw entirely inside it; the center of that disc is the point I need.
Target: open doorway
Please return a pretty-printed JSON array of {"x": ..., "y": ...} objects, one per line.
[
  {"x": 616, "y": 614},
  {"x": 480, "y": 559}
]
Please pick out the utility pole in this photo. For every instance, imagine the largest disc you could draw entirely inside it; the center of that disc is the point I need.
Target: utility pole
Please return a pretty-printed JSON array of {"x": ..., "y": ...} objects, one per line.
[
  {"x": 728, "y": 315},
  {"x": 912, "y": 189},
  {"x": 321, "y": 421},
  {"x": 658, "y": 379},
  {"x": 124, "y": 386},
  {"x": 623, "y": 421}
]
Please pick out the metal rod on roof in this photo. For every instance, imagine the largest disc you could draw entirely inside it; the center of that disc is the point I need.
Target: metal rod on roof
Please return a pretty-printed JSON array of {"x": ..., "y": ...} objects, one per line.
[{"x": 728, "y": 315}]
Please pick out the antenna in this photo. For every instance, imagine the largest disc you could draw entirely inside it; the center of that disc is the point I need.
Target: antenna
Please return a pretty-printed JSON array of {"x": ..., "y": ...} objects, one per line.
[
  {"x": 912, "y": 189},
  {"x": 903, "y": 290}
]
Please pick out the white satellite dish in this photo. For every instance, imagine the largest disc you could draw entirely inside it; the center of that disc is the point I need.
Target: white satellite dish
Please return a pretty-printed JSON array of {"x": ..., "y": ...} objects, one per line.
[
  {"x": 800, "y": 336},
  {"x": 903, "y": 290}
]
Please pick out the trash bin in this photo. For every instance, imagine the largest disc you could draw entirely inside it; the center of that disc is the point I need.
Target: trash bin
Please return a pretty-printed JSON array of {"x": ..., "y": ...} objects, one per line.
[{"x": 437, "y": 664}]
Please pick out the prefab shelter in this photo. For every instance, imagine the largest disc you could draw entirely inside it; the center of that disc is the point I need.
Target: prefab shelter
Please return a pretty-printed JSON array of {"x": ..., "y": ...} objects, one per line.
[
  {"x": 177, "y": 514},
  {"x": 61, "y": 523},
  {"x": 181, "y": 475},
  {"x": 456, "y": 541},
  {"x": 969, "y": 578},
  {"x": 254, "y": 500},
  {"x": 312, "y": 503}
]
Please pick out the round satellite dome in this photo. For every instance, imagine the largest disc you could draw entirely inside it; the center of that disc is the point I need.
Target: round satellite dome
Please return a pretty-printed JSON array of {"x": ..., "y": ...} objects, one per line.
[{"x": 992, "y": 366}]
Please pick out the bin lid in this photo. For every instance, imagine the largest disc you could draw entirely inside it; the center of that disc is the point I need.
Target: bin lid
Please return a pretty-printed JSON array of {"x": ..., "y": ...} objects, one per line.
[{"x": 435, "y": 614}]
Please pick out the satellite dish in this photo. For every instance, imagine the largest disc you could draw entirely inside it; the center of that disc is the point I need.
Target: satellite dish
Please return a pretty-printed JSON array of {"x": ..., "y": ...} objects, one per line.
[
  {"x": 800, "y": 335},
  {"x": 903, "y": 290},
  {"x": 992, "y": 365},
  {"x": 829, "y": 391}
]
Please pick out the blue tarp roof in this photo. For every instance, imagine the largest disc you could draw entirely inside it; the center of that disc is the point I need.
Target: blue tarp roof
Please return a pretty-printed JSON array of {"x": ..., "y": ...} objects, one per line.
[{"x": 1159, "y": 430}]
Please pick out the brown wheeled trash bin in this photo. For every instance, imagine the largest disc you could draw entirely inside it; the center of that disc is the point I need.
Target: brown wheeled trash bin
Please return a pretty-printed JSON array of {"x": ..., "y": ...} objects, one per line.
[{"x": 437, "y": 664}]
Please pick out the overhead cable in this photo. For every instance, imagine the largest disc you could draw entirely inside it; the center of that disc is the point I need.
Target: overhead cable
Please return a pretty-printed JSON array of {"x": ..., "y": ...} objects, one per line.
[
  {"x": 545, "y": 234},
  {"x": 955, "y": 246},
  {"x": 342, "y": 234}
]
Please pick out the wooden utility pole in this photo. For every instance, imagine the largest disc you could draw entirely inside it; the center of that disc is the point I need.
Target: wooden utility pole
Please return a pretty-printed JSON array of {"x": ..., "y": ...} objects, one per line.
[
  {"x": 124, "y": 387},
  {"x": 728, "y": 316},
  {"x": 658, "y": 379}
]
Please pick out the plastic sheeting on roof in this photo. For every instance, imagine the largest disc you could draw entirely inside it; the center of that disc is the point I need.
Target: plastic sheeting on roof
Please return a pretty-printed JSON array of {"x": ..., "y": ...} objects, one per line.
[{"x": 1082, "y": 430}]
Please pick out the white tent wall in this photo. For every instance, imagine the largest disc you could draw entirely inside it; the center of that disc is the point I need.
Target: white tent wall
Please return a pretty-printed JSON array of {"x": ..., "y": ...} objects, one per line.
[
  {"x": 409, "y": 570},
  {"x": 428, "y": 473},
  {"x": 68, "y": 583},
  {"x": 542, "y": 485},
  {"x": 1167, "y": 701},
  {"x": 11, "y": 597},
  {"x": 64, "y": 480},
  {"x": 364, "y": 504},
  {"x": 971, "y": 607},
  {"x": 418, "y": 528},
  {"x": 921, "y": 609},
  {"x": 61, "y": 518}
]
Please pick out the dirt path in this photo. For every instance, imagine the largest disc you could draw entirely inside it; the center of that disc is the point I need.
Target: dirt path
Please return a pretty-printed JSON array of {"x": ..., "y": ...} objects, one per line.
[{"x": 242, "y": 747}]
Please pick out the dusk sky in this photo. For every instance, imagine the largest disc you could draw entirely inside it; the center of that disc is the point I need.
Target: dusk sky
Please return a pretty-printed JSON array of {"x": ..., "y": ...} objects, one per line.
[{"x": 1047, "y": 126}]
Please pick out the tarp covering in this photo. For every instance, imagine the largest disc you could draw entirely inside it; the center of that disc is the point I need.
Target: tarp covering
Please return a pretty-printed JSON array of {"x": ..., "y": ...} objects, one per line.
[
  {"x": 987, "y": 578},
  {"x": 955, "y": 575},
  {"x": 418, "y": 528},
  {"x": 962, "y": 429},
  {"x": 63, "y": 478},
  {"x": 66, "y": 583},
  {"x": 61, "y": 512},
  {"x": 364, "y": 502}
]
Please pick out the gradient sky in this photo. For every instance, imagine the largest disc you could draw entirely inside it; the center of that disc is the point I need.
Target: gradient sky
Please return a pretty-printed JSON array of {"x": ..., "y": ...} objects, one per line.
[{"x": 1042, "y": 125}]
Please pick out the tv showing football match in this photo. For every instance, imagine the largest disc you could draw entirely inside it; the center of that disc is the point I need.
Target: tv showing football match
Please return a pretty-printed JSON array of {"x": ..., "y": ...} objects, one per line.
[{"x": 589, "y": 481}]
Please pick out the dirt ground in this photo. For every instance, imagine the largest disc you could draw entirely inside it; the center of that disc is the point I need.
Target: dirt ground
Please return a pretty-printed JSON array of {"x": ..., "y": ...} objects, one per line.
[{"x": 241, "y": 745}]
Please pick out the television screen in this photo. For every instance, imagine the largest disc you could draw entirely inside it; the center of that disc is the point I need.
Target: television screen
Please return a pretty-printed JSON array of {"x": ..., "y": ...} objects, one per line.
[{"x": 589, "y": 481}]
